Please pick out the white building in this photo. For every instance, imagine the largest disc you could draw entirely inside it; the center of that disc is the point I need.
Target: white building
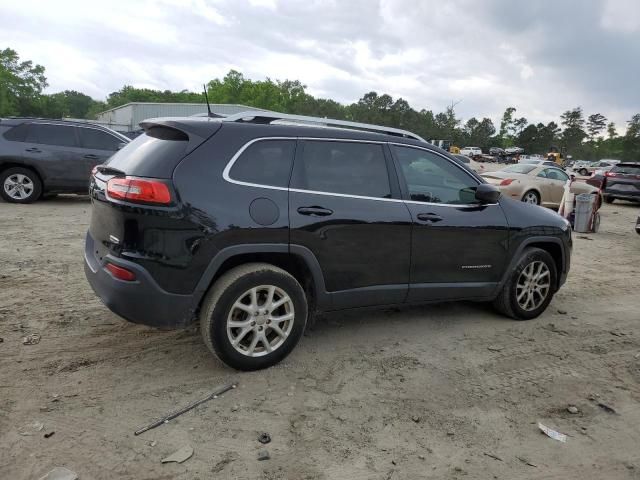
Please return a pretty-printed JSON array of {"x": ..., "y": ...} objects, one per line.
[{"x": 126, "y": 118}]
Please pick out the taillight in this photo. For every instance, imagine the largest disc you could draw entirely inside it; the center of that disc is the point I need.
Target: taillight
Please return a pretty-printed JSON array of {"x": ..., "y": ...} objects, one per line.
[
  {"x": 139, "y": 191},
  {"x": 610, "y": 174},
  {"x": 506, "y": 181},
  {"x": 121, "y": 273}
]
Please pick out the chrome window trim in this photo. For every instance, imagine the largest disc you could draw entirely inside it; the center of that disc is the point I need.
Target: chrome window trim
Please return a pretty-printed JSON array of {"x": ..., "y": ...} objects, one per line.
[{"x": 229, "y": 166}]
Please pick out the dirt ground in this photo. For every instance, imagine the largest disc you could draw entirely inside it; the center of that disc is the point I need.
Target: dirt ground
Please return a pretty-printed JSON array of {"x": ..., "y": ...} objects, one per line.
[{"x": 445, "y": 391}]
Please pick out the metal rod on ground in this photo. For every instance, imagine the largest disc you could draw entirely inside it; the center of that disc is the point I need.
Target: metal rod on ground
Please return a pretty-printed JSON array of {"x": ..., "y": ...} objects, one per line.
[{"x": 171, "y": 416}]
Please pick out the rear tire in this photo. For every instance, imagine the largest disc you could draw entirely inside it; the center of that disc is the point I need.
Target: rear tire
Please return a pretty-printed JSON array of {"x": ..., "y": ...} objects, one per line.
[
  {"x": 20, "y": 185},
  {"x": 253, "y": 316},
  {"x": 608, "y": 199},
  {"x": 531, "y": 197},
  {"x": 522, "y": 296},
  {"x": 584, "y": 172}
]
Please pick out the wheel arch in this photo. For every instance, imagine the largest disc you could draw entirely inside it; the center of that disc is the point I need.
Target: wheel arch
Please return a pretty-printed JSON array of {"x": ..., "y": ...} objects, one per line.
[
  {"x": 11, "y": 163},
  {"x": 552, "y": 245},
  {"x": 297, "y": 260}
]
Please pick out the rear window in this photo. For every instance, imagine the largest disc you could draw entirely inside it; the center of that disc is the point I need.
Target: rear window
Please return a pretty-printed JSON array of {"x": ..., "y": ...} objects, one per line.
[
  {"x": 136, "y": 158},
  {"x": 627, "y": 169},
  {"x": 266, "y": 162}
]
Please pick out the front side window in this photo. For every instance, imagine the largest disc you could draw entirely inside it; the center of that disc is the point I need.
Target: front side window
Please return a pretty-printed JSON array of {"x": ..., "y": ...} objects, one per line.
[
  {"x": 59, "y": 135},
  {"x": 434, "y": 179},
  {"x": 350, "y": 168},
  {"x": 266, "y": 162},
  {"x": 98, "y": 140},
  {"x": 555, "y": 174}
]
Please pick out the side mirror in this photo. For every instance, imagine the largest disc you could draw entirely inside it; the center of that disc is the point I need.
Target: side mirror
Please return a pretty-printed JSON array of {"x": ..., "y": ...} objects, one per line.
[
  {"x": 486, "y": 193},
  {"x": 121, "y": 145}
]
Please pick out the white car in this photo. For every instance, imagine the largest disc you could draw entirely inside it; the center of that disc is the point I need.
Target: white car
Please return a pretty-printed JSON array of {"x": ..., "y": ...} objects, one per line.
[
  {"x": 513, "y": 150},
  {"x": 471, "y": 151}
]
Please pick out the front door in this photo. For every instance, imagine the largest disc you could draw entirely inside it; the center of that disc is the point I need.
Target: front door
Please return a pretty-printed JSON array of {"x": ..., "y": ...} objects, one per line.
[
  {"x": 344, "y": 208},
  {"x": 458, "y": 246},
  {"x": 554, "y": 180}
]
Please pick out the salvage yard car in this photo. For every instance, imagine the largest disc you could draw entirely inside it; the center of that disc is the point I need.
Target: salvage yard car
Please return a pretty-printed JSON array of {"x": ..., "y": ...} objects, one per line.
[
  {"x": 40, "y": 157},
  {"x": 539, "y": 184},
  {"x": 622, "y": 182},
  {"x": 471, "y": 151},
  {"x": 252, "y": 223}
]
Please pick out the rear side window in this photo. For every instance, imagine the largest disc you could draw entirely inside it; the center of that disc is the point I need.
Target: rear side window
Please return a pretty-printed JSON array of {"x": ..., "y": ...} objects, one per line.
[
  {"x": 59, "y": 135},
  {"x": 98, "y": 140},
  {"x": 626, "y": 169},
  {"x": 266, "y": 162},
  {"x": 17, "y": 133},
  {"x": 343, "y": 167}
]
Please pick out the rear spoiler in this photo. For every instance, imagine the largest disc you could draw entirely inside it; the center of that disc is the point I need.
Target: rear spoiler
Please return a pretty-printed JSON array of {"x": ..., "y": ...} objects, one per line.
[{"x": 193, "y": 130}]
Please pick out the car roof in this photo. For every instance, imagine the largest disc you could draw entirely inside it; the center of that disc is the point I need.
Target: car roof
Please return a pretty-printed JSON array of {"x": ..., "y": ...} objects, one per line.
[{"x": 201, "y": 125}]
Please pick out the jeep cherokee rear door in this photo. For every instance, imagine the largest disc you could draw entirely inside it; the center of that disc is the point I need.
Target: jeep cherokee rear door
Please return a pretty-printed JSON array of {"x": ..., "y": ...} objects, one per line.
[
  {"x": 344, "y": 208},
  {"x": 458, "y": 246}
]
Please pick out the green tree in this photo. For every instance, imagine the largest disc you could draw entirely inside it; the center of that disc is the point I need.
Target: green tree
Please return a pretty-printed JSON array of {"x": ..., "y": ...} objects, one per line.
[
  {"x": 596, "y": 123},
  {"x": 21, "y": 84},
  {"x": 506, "y": 127},
  {"x": 611, "y": 131},
  {"x": 573, "y": 134},
  {"x": 631, "y": 142}
]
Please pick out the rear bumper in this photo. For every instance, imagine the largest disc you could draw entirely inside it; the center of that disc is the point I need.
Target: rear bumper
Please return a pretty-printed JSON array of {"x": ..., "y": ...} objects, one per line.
[{"x": 140, "y": 301}]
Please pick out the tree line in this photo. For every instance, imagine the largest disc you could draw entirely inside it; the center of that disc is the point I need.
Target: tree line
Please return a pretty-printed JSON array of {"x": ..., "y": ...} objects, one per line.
[{"x": 588, "y": 137}]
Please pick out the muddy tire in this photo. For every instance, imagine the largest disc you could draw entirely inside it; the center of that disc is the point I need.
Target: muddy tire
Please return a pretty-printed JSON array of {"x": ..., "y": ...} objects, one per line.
[
  {"x": 253, "y": 316},
  {"x": 530, "y": 287}
]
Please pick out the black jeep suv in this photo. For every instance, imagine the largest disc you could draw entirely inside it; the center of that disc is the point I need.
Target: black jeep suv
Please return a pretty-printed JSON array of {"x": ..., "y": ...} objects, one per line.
[
  {"x": 252, "y": 224},
  {"x": 40, "y": 156}
]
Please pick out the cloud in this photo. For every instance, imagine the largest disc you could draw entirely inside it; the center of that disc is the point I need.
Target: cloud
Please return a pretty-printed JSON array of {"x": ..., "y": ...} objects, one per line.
[{"x": 542, "y": 57}]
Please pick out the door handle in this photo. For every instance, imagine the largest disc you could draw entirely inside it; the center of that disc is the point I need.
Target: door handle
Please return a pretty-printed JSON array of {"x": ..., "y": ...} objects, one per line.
[
  {"x": 91, "y": 156},
  {"x": 429, "y": 217},
  {"x": 34, "y": 150},
  {"x": 315, "y": 211}
]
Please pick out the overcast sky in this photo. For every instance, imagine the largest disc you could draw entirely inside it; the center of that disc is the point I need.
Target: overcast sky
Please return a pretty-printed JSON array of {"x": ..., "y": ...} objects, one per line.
[{"x": 540, "y": 56}]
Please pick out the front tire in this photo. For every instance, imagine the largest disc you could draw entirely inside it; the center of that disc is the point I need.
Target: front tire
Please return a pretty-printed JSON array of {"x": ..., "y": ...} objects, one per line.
[
  {"x": 608, "y": 199},
  {"x": 20, "y": 185},
  {"x": 583, "y": 171},
  {"x": 253, "y": 316},
  {"x": 530, "y": 287}
]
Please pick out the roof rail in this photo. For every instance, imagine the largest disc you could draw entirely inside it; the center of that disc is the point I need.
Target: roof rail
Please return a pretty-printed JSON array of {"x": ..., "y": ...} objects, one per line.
[{"x": 268, "y": 117}]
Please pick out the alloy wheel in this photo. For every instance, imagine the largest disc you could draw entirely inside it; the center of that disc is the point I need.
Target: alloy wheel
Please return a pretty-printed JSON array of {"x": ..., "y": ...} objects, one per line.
[
  {"x": 533, "y": 285},
  {"x": 530, "y": 197},
  {"x": 18, "y": 186},
  {"x": 260, "y": 320}
]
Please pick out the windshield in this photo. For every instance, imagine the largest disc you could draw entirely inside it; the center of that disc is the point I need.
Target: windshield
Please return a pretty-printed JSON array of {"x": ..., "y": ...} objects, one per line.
[{"x": 522, "y": 168}]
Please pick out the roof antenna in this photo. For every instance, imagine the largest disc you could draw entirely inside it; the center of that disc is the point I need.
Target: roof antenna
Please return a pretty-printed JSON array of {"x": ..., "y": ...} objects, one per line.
[{"x": 206, "y": 97}]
